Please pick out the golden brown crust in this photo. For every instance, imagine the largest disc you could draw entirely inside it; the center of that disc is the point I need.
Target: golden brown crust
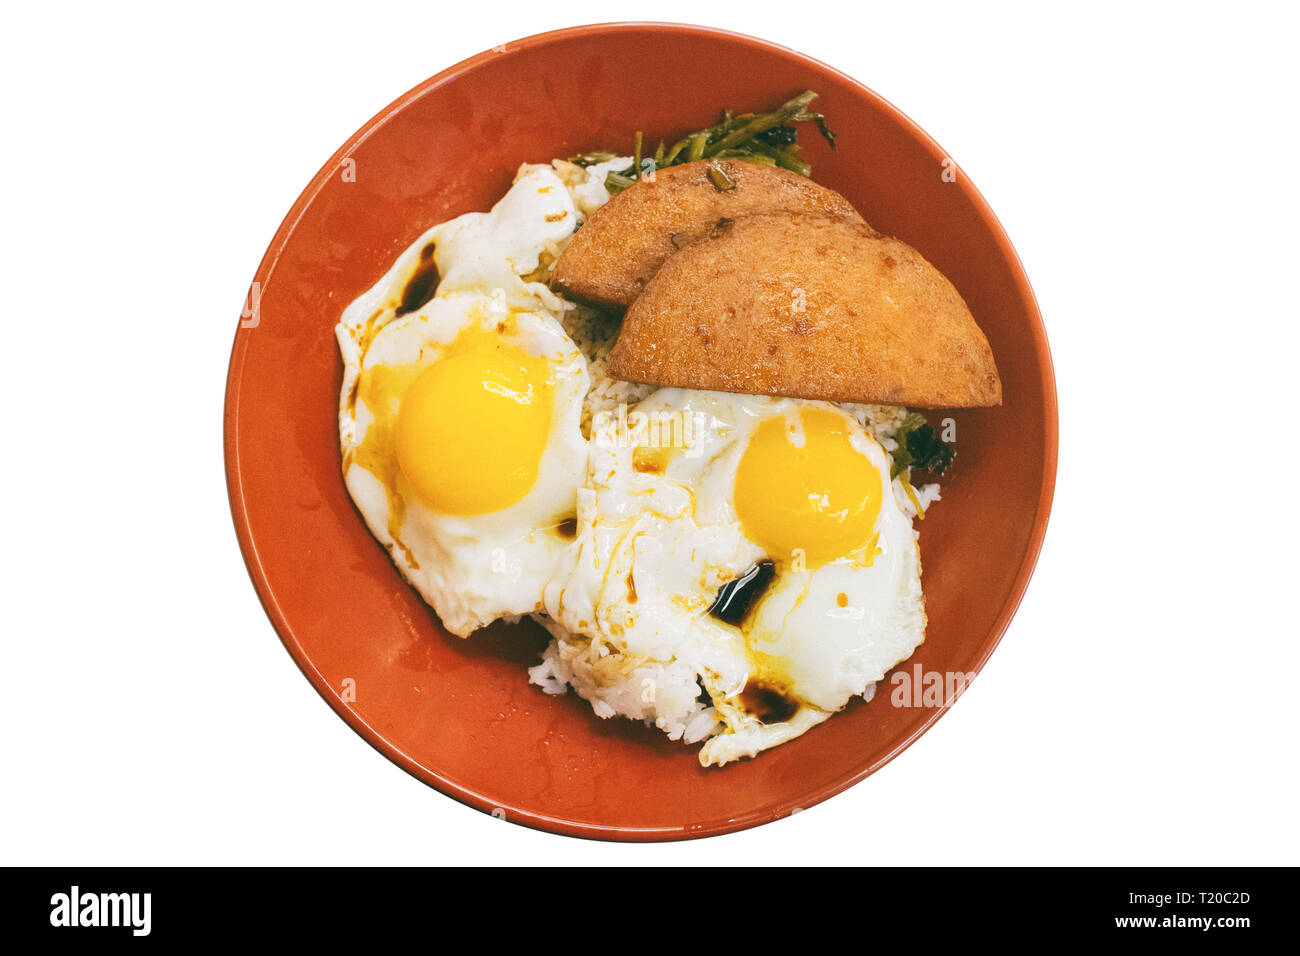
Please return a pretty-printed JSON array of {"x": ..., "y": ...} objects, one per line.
[
  {"x": 811, "y": 307},
  {"x": 624, "y": 242}
]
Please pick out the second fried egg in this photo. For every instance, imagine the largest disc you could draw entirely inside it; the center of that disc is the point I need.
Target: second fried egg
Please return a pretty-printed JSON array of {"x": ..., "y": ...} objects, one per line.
[{"x": 775, "y": 564}]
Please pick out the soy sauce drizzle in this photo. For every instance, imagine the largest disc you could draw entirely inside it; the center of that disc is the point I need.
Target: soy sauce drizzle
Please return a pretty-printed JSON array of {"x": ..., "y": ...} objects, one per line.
[
  {"x": 737, "y": 597},
  {"x": 419, "y": 289},
  {"x": 768, "y": 703}
]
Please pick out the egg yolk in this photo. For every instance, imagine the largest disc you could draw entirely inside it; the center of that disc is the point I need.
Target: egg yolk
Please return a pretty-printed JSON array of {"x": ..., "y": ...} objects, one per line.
[
  {"x": 473, "y": 427},
  {"x": 820, "y": 497}
]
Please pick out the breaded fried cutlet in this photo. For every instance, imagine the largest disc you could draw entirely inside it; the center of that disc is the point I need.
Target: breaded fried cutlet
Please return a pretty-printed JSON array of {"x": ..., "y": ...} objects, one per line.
[
  {"x": 617, "y": 251},
  {"x": 808, "y": 306}
]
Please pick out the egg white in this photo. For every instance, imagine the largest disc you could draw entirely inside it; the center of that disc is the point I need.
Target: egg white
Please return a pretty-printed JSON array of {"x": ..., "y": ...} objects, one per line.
[
  {"x": 472, "y": 569},
  {"x": 630, "y": 597}
]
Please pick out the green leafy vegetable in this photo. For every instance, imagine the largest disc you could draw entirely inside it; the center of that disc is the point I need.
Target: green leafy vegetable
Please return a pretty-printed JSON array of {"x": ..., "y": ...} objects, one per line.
[
  {"x": 920, "y": 447},
  {"x": 591, "y": 159},
  {"x": 721, "y": 181},
  {"x": 779, "y": 136},
  {"x": 767, "y": 138}
]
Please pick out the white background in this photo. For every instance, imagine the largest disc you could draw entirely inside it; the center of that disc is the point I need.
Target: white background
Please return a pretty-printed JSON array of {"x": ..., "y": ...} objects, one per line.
[{"x": 1141, "y": 708}]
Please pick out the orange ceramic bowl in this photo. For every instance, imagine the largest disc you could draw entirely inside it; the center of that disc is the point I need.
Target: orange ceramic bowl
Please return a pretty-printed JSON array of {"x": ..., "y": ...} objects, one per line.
[{"x": 460, "y": 714}]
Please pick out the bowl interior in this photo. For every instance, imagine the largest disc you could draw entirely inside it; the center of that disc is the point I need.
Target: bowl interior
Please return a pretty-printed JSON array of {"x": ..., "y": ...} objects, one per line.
[{"x": 460, "y": 714}]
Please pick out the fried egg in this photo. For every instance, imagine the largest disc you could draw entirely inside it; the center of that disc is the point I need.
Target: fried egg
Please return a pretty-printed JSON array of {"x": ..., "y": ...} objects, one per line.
[
  {"x": 460, "y": 410},
  {"x": 755, "y": 542}
]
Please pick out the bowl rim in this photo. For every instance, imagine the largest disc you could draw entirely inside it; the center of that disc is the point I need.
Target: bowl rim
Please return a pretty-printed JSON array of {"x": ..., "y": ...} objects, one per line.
[{"x": 531, "y": 818}]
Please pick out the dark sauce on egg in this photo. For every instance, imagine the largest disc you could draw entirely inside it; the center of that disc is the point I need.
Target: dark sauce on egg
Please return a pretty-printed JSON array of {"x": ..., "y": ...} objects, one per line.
[
  {"x": 419, "y": 289},
  {"x": 567, "y": 528},
  {"x": 769, "y": 704},
  {"x": 737, "y": 598},
  {"x": 704, "y": 697}
]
